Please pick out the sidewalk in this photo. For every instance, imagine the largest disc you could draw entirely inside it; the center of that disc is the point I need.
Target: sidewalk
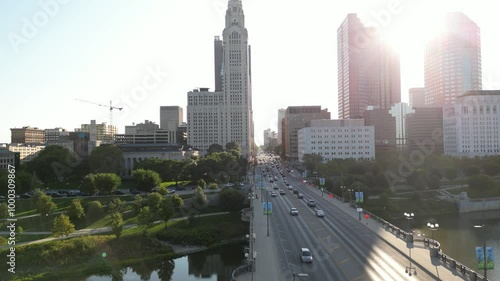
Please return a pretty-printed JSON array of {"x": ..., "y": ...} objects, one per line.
[
  {"x": 420, "y": 253},
  {"x": 266, "y": 268}
]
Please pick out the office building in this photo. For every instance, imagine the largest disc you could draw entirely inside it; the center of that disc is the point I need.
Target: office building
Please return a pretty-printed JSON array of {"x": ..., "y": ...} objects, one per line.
[
  {"x": 171, "y": 117},
  {"x": 27, "y": 135},
  {"x": 218, "y": 63},
  {"x": 295, "y": 119},
  {"x": 337, "y": 139},
  {"x": 281, "y": 115},
  {"x": 452, "y": 63},
  {"x": 226, "y": 116},
  {"x": 8, "y": 158},
  {"x": 471, "y": 126},
  {"x": 425, "y": 130},
  {"x": 27, "y": 151},
  {"x": 55, "y": 135},
  {"x": 417, "y": 97},
  {"x": 99, "y": 132},
  {"x": 368, "y": 70}
]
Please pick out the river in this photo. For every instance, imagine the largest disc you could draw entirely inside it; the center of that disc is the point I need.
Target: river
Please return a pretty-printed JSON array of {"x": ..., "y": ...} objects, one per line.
[
  {"x": 459, "y": 237},
  {"x": 211, "y": 265}
]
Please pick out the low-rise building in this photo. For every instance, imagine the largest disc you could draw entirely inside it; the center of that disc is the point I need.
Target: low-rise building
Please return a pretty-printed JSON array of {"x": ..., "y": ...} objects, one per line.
[
  {"x": 132, "y": 153},
  {"x": 337, "y": 139},
  {"x": 471, "y": 125}
]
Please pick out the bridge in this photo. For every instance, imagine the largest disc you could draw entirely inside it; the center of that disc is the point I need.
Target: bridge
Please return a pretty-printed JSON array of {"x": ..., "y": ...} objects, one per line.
[{"x": 345, "y": 244}]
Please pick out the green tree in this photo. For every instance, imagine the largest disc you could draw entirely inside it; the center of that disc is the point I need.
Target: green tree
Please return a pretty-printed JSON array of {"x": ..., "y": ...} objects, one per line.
[
  {"x": 51, "y": 164},
  {"x": 472, "y": 170},
  {"x": 45, "y": 206},
  {"x": 106, "y": 158},
  {"x": 146, "y": 180},
  {"x": 162, "y": 190},
  {"x": 490, "y": 168},
  {"x": 199, "y": 199},
  {"x": 117, "y": 224},
  {"x": 24, "y": 182},
  {"x": 88, "y": 185},
  {"x": 20, "y": 231},
  {"x": 116, "y": 205},
  {"x": 213, "y": 186},
  {"x": 138, "y": 203},
  {"x": 107, "y": 183},
  {"x": 311, "y": 161},
  {"x": 177, "y": 201},
  {"x": 4, "y": 211},
  {"x": 214, "y": 148},
  {"x": 76, "y": 210},
  {"x": 231, "y": 199},
  {"x": 154, "y": 201},
  {"x": 62, "y": 226},
  {"x": 201, "y": 183},
  {"x": 481, "y": 183},
  {"x": 451, "y": 173},
  {"x": 145, "y": 219},
  {"x": 166, "y": 211},
  {"x": 94, "y": 211}
]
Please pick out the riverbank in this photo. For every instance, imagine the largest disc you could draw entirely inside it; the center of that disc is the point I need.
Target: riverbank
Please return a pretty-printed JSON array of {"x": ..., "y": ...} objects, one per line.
[{"x": 79, "y": 257}]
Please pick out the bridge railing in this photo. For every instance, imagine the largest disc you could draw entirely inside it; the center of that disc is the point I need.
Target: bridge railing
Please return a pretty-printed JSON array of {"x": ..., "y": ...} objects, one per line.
[
  {"x": 240, "y": 270},
  {"x": 448, "y": 261}
]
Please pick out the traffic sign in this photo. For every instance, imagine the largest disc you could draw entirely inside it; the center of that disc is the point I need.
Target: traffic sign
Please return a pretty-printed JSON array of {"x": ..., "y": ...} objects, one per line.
[{"x": 359, "y": 210}]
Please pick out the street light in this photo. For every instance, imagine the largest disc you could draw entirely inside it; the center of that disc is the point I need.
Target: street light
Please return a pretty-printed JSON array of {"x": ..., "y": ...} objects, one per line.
[
  {"x": 409, "y": 217},
  {"x": 350, "y": 190},
  {"x": 343, "y": 188},
  {"x": 484, "y": 250},
  {"x": 433, "y": 227}
]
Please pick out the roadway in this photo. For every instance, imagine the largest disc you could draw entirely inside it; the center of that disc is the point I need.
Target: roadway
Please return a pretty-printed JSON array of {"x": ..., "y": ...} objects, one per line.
[{"x": 342, "y": 248}]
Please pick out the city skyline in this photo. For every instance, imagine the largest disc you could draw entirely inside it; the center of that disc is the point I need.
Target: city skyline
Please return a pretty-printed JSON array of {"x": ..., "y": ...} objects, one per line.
[{"x": 105, "y": 51}]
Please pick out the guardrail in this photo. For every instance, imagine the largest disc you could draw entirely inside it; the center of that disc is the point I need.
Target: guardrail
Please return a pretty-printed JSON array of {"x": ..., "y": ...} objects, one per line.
[
  {"x": 448, "y": 261},
  {"x": 239, "y": 270}
]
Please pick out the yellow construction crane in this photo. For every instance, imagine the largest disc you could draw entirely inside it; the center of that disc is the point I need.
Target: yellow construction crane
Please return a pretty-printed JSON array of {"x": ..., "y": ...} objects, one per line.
[{"x": 110, "y": 106}]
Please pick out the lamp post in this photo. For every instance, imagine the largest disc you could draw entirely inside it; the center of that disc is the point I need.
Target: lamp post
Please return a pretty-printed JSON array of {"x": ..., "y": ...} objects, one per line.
[
  {"x": 409, "y": 217},
  {"x": 484, "y": 251},
  {"x": 343, "y": 188},
  {"x": 433, "y": 227},
  {"x": 350, "y": 190}
]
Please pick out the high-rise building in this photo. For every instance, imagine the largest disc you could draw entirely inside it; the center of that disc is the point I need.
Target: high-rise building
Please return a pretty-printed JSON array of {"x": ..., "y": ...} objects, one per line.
[
  {"x": 218, "y": 63},
  {"x": 368, "y": 70},
  {"x": 417, "y": 97},
  {"x": 227, "y": 116},
  {"x": 471, "y": 125},
  {"x": 27, "y": 135},
  {"x": 281, "y": 115},
  {"x": 425, "y": 130},
  {"x": 171, "y": 117},
  {"x": 267, "y": 137},
  {"x": 452, "y": 62},
  {"x": 296, "y": 118}
]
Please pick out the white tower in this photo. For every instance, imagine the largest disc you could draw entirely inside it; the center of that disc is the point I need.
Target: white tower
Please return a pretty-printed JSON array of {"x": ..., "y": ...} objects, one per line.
[{"x": 237, "y": 120}]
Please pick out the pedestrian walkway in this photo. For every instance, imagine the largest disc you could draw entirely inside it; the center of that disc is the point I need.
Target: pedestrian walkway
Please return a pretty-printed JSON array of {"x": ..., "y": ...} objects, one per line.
[
  {"x": 266, "y": 261},
  {"x": 420, "y": 254}
]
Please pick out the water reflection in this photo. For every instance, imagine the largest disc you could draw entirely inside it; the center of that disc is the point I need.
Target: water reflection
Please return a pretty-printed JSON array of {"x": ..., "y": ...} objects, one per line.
[
  {"x": 458, "y": 237},
  {"x": 213, "y": 265}
]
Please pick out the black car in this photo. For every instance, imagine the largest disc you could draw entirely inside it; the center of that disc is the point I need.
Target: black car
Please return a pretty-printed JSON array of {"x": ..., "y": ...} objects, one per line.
[
  {"x": 134, "y": 191},
  {"x": 117, "y": 192}
]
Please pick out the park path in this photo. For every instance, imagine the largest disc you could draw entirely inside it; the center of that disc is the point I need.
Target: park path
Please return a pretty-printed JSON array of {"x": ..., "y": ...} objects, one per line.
[{"x": 89, "y": 231}]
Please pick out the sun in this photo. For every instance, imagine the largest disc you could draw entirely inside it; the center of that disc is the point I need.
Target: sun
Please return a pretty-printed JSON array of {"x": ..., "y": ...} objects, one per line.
[{"x": 411, "y": 31}]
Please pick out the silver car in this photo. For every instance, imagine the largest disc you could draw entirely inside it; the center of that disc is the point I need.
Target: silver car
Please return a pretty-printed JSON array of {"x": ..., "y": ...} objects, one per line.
[
  {"x": 305, "y": 255},
  {"x": 320, "y": 213}
]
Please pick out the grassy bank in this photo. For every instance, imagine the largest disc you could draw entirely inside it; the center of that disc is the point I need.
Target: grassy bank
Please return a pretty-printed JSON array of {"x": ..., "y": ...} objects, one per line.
[{"x": 78, "y": 258}]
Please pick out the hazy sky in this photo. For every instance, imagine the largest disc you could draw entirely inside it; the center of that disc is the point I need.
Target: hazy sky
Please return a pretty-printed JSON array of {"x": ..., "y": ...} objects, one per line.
[{"x": 146, "y": 54}]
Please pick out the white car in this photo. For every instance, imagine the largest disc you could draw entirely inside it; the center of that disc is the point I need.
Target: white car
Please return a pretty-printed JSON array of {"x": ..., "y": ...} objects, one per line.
[
  {"x": 294, "y": 212},
  {"x": 290, "y": 187},
  {"x": 320, "y": 213},
  {"x": 273, "y": 194}
]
